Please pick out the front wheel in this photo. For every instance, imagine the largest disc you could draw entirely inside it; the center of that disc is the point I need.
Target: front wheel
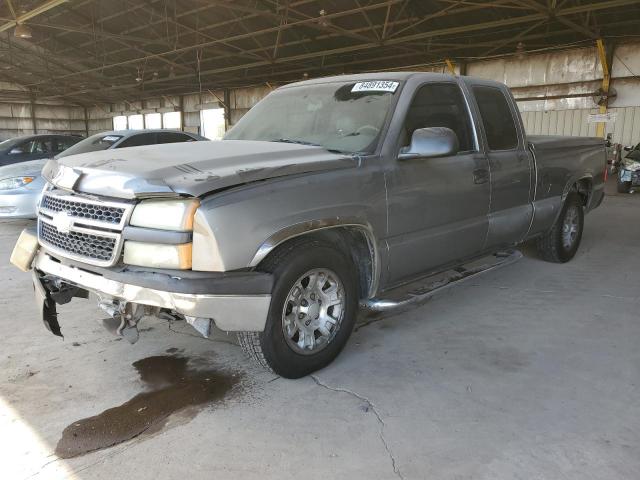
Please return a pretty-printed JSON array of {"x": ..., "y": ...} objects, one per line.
[
  {"x": 313, "y": 309},
  {"x": 561, "y": 243}
]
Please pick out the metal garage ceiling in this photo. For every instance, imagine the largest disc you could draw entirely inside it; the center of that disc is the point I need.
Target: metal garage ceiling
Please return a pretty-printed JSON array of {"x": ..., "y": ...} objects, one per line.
[{"x": 89, "y": 51}]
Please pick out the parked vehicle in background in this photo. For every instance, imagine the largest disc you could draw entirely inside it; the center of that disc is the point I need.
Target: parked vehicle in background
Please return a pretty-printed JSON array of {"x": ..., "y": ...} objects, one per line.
[
  {"x": 21, "y": 184},
  {"x": 328, "y": 193},
  {"x": 629, "y": 170},
  {"x": 34, "y": 147},
  {"x": 130, "y": 138},
  {"x": 21, "y": 160}
]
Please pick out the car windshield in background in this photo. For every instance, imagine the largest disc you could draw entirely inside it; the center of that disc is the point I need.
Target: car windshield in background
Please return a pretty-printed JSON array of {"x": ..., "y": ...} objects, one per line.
[
  {"x": 344, "y": 117},
  {"x": 91, "y": 144}
]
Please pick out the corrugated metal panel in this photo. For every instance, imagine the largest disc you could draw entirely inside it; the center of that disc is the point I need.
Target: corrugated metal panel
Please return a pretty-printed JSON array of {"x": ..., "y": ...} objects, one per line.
[{"x": 625, "y": 129}]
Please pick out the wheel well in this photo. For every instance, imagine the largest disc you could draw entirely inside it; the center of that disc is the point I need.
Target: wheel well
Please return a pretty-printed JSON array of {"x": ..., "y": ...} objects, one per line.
[
  {"x": 583, "y": 187},
  {"x": 353, "y": 241}
]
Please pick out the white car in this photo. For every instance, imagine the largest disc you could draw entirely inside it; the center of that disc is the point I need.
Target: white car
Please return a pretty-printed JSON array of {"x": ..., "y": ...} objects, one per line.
[
  {"x": 20, "y": 187},
  {"x": 21, "y": 184}
]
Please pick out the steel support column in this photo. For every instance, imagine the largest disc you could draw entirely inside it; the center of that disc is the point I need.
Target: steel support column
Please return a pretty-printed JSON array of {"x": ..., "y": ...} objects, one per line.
[{"x": 605, "y": 62}]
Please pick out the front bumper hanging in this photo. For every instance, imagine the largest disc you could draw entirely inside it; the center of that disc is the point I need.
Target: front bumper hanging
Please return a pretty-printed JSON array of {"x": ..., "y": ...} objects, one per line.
[{"x": 234, "y": 301}]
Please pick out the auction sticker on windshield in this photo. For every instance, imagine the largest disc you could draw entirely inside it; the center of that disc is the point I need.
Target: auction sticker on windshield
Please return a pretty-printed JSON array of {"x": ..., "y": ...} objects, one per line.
[{"x": 375, "y": 86}]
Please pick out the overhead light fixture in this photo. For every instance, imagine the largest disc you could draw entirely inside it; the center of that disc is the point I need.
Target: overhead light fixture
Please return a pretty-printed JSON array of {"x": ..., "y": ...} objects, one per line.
[
  {"x": 22, "y": 31},
  {"x": 323, "y": 21}
]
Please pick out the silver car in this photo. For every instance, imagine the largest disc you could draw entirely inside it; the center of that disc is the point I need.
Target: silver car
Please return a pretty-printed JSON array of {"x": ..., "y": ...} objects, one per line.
[
  {"x": 21, "y": 184},
  {"x": 20, "y": 187}
]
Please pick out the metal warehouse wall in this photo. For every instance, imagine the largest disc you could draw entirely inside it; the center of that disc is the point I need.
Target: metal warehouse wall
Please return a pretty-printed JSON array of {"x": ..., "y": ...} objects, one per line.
[
  {"x": 19, "y": 117},
  {"x": 571, "y": 72},
  {"x": 560, "y": 81},
  {"x": 626, "y": 128}
]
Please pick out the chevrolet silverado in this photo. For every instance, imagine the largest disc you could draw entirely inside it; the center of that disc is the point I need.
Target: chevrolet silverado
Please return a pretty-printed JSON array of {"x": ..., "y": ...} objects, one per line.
[{"x": 328, "y": 194}]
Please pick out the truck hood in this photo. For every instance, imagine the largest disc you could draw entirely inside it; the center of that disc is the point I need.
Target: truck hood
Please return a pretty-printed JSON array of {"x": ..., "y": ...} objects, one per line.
[{"x": 192, "y": 168}]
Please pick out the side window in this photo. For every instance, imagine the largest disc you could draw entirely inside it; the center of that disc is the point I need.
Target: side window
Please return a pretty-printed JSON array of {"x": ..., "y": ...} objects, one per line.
[
  {"x": 440, "y": 105},
  {"x": 139, "y": 140},
  {"x": 37, "y": 145},
  {"x": 499, "y": 125},
  {"x": 21, "y": 148},
  {"x": 173, "y": 137},
  {"x": 42, "y": 145},
  {"x": 62, "y": 143}
]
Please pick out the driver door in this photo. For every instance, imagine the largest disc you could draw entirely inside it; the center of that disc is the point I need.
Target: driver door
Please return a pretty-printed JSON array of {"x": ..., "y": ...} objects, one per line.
[{"x": 438, "y": 206}]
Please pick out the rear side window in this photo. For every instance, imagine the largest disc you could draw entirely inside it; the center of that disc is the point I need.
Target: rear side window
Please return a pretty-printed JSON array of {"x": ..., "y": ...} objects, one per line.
[
  {"x": 173, "y": 137},
  {"x": 497, "y": 119},
  {"x": 139, "y": 140},
  {"x": 62, "y": 143}
]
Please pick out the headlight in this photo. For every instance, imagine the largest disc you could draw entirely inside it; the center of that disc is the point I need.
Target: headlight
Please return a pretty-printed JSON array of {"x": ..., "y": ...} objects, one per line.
[
  {"x": 631, "y": 165},
  {"x": 157, "y": 255},
  {"x": 174, "y": 215},
  {"x": 15, "y": 182}
]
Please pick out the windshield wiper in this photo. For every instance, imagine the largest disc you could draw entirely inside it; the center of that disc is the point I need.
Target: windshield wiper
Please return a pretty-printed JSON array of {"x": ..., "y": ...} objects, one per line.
[
  {"x": 297, "y": 142},
  {"x": 304, "y": 142}
]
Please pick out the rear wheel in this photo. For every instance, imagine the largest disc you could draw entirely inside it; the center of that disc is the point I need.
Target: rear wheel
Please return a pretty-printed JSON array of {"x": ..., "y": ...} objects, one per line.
[
  {"x": 561, "y": 243},
  {"x": 313, "y": 309}
]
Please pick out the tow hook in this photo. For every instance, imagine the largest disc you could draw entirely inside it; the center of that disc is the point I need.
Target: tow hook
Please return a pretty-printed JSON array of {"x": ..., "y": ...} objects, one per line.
[{"x": 123, "y": 319}]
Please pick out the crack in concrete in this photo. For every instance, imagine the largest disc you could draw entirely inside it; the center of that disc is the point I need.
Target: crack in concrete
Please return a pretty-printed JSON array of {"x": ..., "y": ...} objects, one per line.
[
  {"x": 114, "y": 451},
  {"x": 375, "y": 411}
]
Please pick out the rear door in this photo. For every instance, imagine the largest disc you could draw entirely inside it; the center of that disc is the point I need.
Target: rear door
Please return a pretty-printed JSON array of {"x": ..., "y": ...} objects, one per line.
[
  {"x": 510, "y": 164},
  {"x": 437, "y": 206}
]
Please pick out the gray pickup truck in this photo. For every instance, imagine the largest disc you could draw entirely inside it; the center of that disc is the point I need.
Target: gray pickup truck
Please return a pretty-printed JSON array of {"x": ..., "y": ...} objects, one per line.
[{"x": 327, "y": 194}]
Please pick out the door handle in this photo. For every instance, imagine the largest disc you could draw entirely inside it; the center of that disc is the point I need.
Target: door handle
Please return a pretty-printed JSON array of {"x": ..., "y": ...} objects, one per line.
[{"x": 480, "y": 176}]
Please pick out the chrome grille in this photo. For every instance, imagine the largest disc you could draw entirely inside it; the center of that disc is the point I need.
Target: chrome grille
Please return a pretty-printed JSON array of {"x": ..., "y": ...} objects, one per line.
[
  {"x": 81, "y": 209},
  {"x": 81, "y": 227},
  {"x": 93, "y": 246}
]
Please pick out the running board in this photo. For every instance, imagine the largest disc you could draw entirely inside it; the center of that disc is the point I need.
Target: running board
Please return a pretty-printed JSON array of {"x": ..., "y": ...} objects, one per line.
[{"x": 425, "y": 288}]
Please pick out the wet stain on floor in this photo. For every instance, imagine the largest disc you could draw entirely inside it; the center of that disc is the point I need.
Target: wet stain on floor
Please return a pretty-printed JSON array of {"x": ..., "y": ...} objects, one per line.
[{"x": 173, "y": 383}]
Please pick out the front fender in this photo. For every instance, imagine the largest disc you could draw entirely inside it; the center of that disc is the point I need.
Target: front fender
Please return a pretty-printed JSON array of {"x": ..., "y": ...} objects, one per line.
[{"x": 236, "y": 229}]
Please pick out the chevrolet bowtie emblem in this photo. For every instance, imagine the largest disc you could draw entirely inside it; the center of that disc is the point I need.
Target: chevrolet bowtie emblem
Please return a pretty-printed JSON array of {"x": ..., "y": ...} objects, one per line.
[{"x": 63, "y": 222}]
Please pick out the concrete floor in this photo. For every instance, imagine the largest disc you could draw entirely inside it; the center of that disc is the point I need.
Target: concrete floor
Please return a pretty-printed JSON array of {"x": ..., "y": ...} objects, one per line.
[{"x": 528, "y": 372}]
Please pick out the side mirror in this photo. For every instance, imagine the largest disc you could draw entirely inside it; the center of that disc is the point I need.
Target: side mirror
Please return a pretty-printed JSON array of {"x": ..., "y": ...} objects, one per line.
[
  {"x": 15, "y": 151},
  {"x": 431, "y": 142},
  {"x": 628, "y": 149}
]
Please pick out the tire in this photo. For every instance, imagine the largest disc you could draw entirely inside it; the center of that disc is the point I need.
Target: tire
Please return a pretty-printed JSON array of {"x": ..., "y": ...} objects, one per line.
[
  {"x": 276, "y": 348},
  {"x": 558, "y": 244},
  {"x": 623, "y": 187}
]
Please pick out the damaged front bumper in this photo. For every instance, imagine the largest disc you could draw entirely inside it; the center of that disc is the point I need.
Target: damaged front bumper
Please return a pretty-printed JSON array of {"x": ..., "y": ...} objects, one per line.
[
  {"x": 632, "y": 176},
  {"x": 234, "y": 301}
]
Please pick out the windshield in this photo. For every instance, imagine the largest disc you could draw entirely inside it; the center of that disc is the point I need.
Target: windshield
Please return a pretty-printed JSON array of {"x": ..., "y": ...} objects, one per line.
[
  {"x": 345, "y": 117},
  {"x": 91, "y": 144}
]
